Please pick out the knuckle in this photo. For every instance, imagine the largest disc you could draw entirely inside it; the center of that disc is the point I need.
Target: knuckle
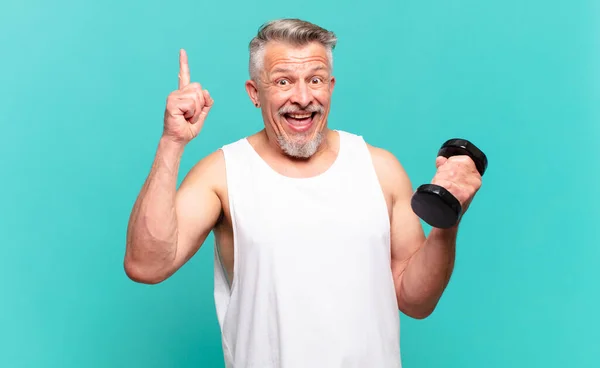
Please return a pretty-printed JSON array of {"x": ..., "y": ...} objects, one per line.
[
  {"x": 170, "y": 104},
  {"x": 200, "y": 97},
  {"x": 462, "y": 160},
  {"x": 441, "y": 181},
  {"x": 173, "y": 96}
]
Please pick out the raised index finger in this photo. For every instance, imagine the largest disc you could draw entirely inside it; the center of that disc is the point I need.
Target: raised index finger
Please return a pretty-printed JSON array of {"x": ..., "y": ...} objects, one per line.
[{"x": 184, "y": 69}]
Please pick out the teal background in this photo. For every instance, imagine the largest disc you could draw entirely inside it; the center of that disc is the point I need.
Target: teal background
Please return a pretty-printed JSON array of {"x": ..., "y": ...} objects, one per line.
[{"x": 82, "y": 91}]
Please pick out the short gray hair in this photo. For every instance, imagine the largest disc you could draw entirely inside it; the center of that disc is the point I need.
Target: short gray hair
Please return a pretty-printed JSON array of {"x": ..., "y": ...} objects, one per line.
[{"x": 288, "y": 30}]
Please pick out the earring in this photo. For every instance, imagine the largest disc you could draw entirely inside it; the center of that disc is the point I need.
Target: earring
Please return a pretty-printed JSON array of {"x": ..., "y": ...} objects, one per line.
[{"x": 256, "y": 104}]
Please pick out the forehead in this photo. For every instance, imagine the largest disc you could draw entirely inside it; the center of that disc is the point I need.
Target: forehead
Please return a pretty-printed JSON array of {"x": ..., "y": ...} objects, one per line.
[{"x": 278, "y": 56}]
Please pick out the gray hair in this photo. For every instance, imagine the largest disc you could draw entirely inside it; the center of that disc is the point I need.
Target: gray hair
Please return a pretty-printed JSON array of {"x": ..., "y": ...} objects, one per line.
[{"x": 290, "y": 30}]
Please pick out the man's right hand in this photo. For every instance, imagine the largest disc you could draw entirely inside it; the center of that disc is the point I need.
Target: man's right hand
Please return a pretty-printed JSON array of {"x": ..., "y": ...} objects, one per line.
[{"x": 187, "y": 107}]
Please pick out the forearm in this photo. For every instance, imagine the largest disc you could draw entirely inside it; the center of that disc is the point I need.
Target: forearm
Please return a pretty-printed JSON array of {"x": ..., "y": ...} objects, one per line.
[
  {"x": 152, "y": 230},
  {"x": 427, "y": 273}
]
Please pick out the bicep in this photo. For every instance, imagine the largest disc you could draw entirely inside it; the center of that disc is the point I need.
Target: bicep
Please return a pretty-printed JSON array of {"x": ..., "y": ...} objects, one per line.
[
  {"x": 407, "y": 234},
  {"x": 198, "y": 207}
]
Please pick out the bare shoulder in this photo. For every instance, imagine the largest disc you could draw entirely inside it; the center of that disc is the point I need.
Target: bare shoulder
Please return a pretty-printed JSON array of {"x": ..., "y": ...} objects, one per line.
[
  {"x": 208, "y": 172},
  {"x": 199, "y": 202},
  {"x": 201, "y": 193},
  {"x": 390, "y": 172},
  {"x": 406, "y": 231}
]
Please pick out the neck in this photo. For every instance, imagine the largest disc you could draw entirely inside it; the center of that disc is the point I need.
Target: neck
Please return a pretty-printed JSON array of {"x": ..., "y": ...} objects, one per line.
[{"x": 269, "y": 139}]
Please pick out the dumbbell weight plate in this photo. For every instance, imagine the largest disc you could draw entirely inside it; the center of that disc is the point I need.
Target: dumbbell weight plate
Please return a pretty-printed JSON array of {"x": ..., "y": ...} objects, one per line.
[{"x": 436, "y": 206}]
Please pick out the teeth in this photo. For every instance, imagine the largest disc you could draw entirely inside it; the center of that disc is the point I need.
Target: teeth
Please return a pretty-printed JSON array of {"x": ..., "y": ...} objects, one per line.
[{"x": 297, "y": 116}]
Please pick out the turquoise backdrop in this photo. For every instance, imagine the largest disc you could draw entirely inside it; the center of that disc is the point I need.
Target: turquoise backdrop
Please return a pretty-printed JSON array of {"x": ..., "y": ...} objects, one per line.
[{"x": 82, "y": 92}]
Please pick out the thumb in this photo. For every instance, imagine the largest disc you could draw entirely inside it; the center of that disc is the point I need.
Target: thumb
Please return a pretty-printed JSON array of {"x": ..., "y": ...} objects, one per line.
[
  {"x": 439, "y": 161},
  {"x": 208, "y": 102}
]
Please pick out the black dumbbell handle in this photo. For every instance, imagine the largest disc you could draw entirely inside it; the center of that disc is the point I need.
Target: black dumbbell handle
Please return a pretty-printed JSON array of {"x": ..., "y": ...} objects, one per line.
[{"x": 456, "y": 147}]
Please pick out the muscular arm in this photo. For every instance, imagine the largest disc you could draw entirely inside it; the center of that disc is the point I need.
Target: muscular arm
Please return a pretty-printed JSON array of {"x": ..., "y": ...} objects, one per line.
[
  {"x": 421, "y": 266},
  {"x": 167, "y": 226}
]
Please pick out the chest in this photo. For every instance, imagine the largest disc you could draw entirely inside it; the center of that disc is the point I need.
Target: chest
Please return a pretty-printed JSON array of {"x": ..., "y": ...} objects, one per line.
[{"x": 321, "y": 216}]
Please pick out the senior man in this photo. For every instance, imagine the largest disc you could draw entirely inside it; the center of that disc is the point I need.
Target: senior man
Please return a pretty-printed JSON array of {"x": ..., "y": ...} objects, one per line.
[{"x": 316, "y": 246}]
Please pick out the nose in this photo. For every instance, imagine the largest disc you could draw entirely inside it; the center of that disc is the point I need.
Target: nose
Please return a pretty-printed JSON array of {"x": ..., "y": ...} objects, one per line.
[{"x": 301, "y": 95}]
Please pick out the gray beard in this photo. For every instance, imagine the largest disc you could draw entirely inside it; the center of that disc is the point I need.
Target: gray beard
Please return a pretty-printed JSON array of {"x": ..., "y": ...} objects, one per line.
[{"x": 300, "y": 149}]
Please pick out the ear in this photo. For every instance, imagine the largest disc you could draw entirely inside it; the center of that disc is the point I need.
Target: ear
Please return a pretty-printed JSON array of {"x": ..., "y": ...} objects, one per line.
[
  {"x": 331, "y": 84},
  {"x": 252, "y": 90}
]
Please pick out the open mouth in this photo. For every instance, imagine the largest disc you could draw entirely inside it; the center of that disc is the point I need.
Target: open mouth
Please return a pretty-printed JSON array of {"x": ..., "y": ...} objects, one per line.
[{"x": 300, "y": 121}]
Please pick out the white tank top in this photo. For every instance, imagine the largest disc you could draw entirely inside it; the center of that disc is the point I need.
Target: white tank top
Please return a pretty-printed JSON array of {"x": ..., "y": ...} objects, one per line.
[{"x": 312, "y": 284}]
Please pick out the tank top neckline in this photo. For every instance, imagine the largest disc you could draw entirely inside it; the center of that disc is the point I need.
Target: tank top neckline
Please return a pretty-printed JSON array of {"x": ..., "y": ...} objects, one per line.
[{"x": 332, "y": 168}]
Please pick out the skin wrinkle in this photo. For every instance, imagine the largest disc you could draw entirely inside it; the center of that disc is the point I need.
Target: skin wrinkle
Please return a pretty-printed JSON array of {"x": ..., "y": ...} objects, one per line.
[{"x": 288, "y": 69}]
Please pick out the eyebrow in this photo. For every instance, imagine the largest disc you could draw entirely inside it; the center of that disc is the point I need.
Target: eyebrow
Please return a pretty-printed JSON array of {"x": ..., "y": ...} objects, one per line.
[{"x": 286, "y": 70}]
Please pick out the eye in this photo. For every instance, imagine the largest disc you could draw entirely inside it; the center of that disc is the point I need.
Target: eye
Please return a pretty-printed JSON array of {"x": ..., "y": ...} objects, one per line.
[
  {"x": 282, "y": 82},
  {"x": 316, "y": 80}
]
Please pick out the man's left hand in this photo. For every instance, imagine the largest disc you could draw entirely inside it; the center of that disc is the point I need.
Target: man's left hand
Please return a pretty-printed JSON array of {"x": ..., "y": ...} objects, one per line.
[{"x": 458, "y": 175}]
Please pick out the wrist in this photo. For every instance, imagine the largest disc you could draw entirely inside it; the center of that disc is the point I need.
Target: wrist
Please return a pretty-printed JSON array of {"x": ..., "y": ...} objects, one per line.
[
  {"x": 170, "y": 147},
  {"x": 447, "y": 235},
  {"x": 169, "y": 153}
]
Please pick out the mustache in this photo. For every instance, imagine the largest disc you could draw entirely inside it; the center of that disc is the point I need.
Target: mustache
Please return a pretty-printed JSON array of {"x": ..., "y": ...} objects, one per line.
[{"x": 296, "y": 110}]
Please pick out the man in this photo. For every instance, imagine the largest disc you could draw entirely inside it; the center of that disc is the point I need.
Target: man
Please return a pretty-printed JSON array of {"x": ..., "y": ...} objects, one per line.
[{"x": 316, "y": 245}]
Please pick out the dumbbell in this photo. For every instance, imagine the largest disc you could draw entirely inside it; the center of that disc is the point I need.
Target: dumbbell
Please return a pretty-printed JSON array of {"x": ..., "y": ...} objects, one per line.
[{"x": 434, "y": 204}]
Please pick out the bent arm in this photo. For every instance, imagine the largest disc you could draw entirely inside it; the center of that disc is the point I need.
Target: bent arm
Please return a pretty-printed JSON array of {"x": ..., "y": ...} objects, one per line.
[
  {"x": 167, "y": 226},
  {"x": 421, "y": 266}
]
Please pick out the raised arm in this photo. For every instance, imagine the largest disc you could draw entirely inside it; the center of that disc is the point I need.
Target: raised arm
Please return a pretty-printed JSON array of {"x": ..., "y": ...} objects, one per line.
[
  {"x": 422, "y": 266},
  {"x": 167, "y": 226}
]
